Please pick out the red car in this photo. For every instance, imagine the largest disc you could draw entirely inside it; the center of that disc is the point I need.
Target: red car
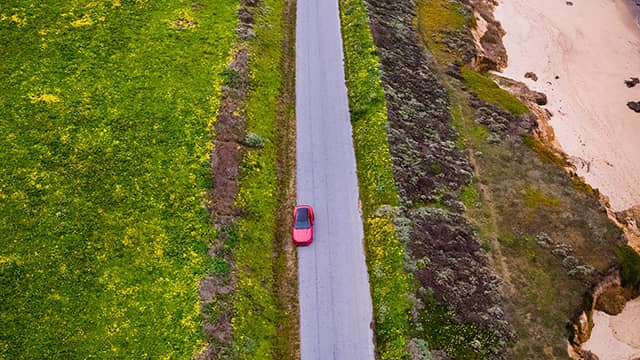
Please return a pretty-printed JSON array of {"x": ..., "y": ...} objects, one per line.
[{"x": 302, "y": 231}]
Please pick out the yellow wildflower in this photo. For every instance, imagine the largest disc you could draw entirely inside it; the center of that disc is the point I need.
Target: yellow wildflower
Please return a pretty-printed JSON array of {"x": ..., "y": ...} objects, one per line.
[
  {"x": 84, "y": 21},
  {"x": 46, "y": 98}
]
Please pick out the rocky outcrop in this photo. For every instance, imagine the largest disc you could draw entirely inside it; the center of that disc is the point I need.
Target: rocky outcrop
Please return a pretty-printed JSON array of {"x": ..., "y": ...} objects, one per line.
[
  {"x": 631, "y": 82},
  {"x": 630, "y": 222},
  {"x": 491, "y": 53},
  {"x": 634, "y": 105},
  {"x": 583, "y": 323}
]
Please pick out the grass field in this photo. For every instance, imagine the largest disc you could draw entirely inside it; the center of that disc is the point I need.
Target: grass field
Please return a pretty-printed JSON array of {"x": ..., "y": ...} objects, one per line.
[{"x": 106, "y": 112}]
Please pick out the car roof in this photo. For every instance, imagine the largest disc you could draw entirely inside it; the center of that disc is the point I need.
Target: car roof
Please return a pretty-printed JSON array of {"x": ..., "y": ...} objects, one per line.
[{"x": 302, "y": 213}]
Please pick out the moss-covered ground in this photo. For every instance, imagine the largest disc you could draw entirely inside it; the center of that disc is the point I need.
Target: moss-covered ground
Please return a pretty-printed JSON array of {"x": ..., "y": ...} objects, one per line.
[{"x": 106, "y": 114}]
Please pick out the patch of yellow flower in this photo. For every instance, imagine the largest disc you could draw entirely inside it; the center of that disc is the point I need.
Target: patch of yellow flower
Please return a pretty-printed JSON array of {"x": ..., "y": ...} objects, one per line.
[
  {"x": 45, "y": 98},
  {"x": 185, "y": 19},
  {"x": 15, "y": 18},
  {"x": 10, "y": 259},
  {"x": 84, "y": 21},
  {"x": 116, "y": 4},
  {"x": 55, "y": 296}
]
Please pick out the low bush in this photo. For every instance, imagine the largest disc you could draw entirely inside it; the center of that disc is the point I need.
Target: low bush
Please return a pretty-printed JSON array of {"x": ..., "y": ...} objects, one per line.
[{"x": 629, "y": 266}]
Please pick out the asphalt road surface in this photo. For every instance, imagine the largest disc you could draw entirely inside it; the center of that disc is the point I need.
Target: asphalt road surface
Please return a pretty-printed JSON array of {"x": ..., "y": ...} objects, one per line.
[{"x": 335, "y": 302}]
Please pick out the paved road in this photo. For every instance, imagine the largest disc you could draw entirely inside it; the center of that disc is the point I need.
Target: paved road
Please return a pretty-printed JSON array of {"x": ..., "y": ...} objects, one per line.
[{"x": 335, "y": 302}]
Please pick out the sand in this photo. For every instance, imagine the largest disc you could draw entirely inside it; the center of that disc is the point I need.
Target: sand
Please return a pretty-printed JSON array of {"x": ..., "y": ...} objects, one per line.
[
  {"x": 582, "y": 54},
  {"x": 616, "y": 337}
]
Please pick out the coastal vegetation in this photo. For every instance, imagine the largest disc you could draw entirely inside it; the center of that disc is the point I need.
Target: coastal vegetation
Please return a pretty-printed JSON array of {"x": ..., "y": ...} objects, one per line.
[
  {"x": 539, "y": 226},
  {"x": 484, "y": 208},
  {"x": 390, "y": 284},
  {"x": 106, "y": 113},
  {"x": 630, "y": 267}
]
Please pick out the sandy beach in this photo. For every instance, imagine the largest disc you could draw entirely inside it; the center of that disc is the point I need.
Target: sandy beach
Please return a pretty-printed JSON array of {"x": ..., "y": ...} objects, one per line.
[
  {"x": 616, "y": 337},
  {"x": 582, "y": 51}
]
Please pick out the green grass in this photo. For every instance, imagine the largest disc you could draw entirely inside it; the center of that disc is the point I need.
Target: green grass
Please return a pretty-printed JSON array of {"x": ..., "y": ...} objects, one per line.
[
  {"x": 434, "y": 16},
  {"x": 474, "y": 132},
  {"x": 256, "y": 310},
  {"x": 544, "y": 151},
  {"x": 106, "y": 112},
  {"x": 390, "y": 284},
  {"x": 490, "y": 92},
  {"x": 469, "y": 196},
  {"x": 535, "y": 198}
]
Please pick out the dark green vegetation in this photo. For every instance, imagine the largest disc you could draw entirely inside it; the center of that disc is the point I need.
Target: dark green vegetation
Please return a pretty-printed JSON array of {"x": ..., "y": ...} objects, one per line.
[
  {"x": 545, "y": 233},
  {"x": 106, "y": 110},
  {"x": 390, "y": 284},
  {"x": 630, "y": 267}
]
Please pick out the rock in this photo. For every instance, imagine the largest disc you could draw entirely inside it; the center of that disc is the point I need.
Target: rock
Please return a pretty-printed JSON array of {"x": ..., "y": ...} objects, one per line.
[
  {"x": 531, "y": 75},
  {"x": 245, "y": 16},
  {"x": 246, "y": 32},
  {"x": 539, "y": 98},
  {"x": 581, "y": 272},
  {"x": 544, "y": 240},
  {"x": 582, "y": 328},
  {"x": 491, "y": 54},
  {"x": 588, "y": 355},
  {"x": 569, "y": 262},
  {"x": 632, "y": 82},
  {"x": 634, "y": 105},
  {"x": 611, "y": 301},
  {"x": 630, "y": 218},
  {"x": 493, "y": 139}
]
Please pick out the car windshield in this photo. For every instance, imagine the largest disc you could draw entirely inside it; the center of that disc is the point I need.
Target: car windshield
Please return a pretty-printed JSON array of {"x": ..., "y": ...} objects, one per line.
[{"x": 302, "y": 219}]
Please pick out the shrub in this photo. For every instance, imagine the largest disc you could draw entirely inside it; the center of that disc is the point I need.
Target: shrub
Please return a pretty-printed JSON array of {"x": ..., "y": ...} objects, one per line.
[
  {"x": 629, "y": 266},
  {"x": 254, "y": 140}
]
